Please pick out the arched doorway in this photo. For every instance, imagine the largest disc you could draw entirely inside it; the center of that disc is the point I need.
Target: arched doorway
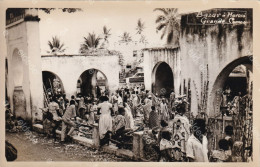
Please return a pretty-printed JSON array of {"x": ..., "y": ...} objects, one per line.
[
  {"x": 92, "y": 82},
  {"x": 162, "y": 76},
  {"x": 236, "y": 77},
  {"x": 231, "y": 102},
  {"x": 52, "y": 86},
  {"x": 17, "y": 68},
  {"x": 19, "y": 100}
]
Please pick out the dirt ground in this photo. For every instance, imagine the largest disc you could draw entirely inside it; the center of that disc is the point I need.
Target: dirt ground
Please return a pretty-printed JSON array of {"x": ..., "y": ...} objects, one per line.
[{"x": 37, "y": 147}]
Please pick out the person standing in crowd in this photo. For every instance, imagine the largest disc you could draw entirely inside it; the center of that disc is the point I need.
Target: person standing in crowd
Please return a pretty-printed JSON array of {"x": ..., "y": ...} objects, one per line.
[
  {"x": 147, "y": 109},
  {"x": 153, "y": 118},
  {"x": 56, "y": 116},
  {"x": 74, "y": 99},
  {"x": 105, "y": 120},
  {"x": 69, "y": 114},
  {"x": 197, "y": 144},
  {"x": 135, "y": 104},
  {"x": 114, "y": 101},
  {"x": 81, "y": 108},
  {"x": 119, "y": 100},
  {"x": 172, "y": 98},
  {"x": 125, "y": 98},
  {"x": 164, "y": 110},
  {"x": 181, "y": 128},
  {"x": 128, "y": 117},
  {"x": 62, "y": 104}
]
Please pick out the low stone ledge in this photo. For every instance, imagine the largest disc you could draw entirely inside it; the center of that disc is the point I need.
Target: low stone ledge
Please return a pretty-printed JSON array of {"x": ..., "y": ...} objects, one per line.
[{"x": 94, "y": 143}]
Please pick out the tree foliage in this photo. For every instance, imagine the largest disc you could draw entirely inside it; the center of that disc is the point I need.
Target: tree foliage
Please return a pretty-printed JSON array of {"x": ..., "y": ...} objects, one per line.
[
  {"x": 169, "y": 23},
  {"x": 56, "y": 46},
  {"x": 91, "y": 42}
]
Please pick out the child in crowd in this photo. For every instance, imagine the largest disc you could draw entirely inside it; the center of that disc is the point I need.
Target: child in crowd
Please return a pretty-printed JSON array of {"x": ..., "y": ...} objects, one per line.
[
  {"x": 164, "y": 127},
  {"x": 223, "y": 154},
  {"x": 229, "y": 133}
]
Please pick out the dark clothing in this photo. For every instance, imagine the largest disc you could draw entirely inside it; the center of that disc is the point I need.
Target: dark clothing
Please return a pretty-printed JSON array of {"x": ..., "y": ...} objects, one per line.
[
  {"x": 153, "y": 119},
  {"x": 10, "y": 152}
]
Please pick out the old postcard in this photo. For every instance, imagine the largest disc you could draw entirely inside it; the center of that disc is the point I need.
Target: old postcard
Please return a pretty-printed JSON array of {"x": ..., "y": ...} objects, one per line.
[{"x": 90, "y": 82}]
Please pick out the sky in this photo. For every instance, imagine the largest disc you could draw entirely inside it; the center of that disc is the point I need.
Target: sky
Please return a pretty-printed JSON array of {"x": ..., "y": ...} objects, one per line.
[{"x": 72, "y": 27}]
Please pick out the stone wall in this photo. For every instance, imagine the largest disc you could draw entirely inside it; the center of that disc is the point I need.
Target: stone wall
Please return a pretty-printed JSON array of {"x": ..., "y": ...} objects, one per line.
[
  {"x": 23, "y": 50},
  {"x": 152, "y": 59},
  {"x": 206, "y": 50},
  {"x": 204, "y": 59},
  {"x": 69, "y": 68}
]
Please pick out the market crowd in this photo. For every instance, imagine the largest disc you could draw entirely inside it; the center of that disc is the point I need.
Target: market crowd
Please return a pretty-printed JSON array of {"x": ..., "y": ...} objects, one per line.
[{"x": 168, "y": 134}]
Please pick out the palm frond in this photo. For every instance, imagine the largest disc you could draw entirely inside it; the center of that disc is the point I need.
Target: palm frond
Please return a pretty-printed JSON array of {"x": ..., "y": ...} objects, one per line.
[
  {"x": 164, "y": 10},
  {"x": 56, "y": 45},
  {"x": 160, "y": 26},
  {"x": 160, "y": 18}
]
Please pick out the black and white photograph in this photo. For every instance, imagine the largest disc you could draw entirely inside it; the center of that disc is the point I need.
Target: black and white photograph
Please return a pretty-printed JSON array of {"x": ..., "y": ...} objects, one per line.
[{"x": 123, "y": 82}]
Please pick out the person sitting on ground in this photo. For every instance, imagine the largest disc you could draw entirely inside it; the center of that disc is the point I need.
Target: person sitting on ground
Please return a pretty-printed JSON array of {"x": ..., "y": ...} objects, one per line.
[
  {"x": 151, "y": 144},
  {"x": 196, "y": 149},
  {"x": 10, "y": 122},
  {"x": 119, "y": 124},
  {"x": 223, "y": 154},
  {"x": 166, "y": 147},
  {"x": 67, "y": 120}
]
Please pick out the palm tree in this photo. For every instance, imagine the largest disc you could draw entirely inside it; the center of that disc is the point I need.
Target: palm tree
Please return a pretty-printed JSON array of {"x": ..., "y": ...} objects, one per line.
[
  {"x": 91, "y": 42},
  {"x": 169, "y": 23},
  {"x": 56, "y": 45},
  {"x": 125, "y": 38},
  {"x": 106, "y": 34},
  {"x": 140, "y": 26}
]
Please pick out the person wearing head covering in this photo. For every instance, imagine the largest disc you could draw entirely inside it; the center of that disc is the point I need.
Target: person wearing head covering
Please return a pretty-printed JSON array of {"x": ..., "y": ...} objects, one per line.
[
  {"x": 147, "y": 109},
  {"x": 135, "y": 102},
  {"x": 181, "y": 128},
  {"x": 119, "y": 124},
  {"x": 105, "y": 120},
  {"x": 128, "y": 117},
  {"x": 164, "y": 110}
]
